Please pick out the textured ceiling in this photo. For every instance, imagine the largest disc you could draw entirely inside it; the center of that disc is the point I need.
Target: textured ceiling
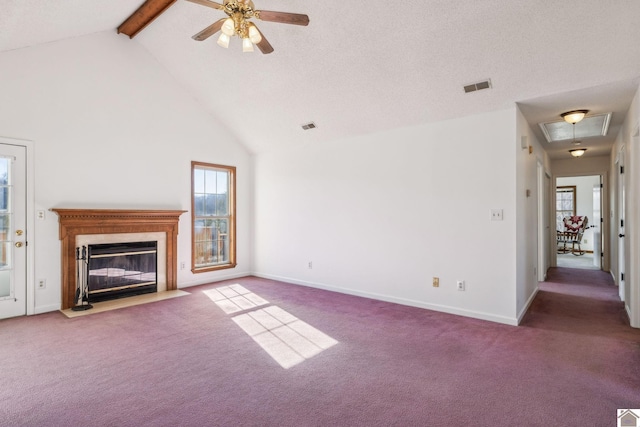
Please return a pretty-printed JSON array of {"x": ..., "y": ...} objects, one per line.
[{"x": 368, "y": 66}]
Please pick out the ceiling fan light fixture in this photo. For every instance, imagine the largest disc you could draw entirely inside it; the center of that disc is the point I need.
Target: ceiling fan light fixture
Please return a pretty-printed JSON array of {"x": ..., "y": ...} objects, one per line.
[
  {"x": 578, "y": 152},
  {"x": 254, "y": 34},
  {"x": 223, "y": 40},
  {"x": 228, "y": 27},
  {"x": 574, "y": 116},
  {"x": 247, "y": 46},
  {"x": 239, "y": 13}
]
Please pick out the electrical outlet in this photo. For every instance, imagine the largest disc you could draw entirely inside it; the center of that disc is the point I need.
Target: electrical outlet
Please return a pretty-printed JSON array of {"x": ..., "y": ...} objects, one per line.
[
  {"x": 496, "y": 214},
  {"x": 460, "y": 285},
  {"x": 310, "y": 265},
  {"x": 182, "y": 265},
  {"x": 436, "y": 282},
  {"x": 40, "y": 214},
  {"x": 42, "y": 283}
]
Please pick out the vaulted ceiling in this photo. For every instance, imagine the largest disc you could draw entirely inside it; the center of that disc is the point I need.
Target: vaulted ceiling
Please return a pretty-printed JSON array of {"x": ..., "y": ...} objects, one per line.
[{"x": 368, "y": 66}]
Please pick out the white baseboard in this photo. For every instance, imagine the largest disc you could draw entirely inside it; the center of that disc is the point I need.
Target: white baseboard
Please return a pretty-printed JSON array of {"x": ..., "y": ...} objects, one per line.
[
  {"x": 527, "y": 305},
  {"x": 402, "y": 301},
  {"x": 46, "y": 308},
  {"x": 221, "y": 278}
]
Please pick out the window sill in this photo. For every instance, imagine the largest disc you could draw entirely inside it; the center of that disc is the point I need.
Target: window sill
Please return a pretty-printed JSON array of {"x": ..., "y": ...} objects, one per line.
[{"x": 213, "y": 268}]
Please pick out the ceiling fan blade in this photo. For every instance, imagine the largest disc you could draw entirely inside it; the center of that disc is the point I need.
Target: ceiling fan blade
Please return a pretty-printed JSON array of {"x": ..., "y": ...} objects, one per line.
[
  {"x": 207, "y": 3},
  {"x": 281, "y": 17},
  {"x": 209, "y": 31},
  {"x": 264, "y": 45}
]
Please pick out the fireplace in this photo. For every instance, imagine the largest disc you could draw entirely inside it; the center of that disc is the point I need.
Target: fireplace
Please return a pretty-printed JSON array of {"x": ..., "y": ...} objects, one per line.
[
  {"x": 84, "y": 227},
  {"x": 117, "y": 270}
]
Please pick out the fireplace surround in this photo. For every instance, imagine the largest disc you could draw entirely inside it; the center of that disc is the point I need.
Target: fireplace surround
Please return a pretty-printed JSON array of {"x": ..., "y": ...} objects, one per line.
[{"x": 76, "y": 224}]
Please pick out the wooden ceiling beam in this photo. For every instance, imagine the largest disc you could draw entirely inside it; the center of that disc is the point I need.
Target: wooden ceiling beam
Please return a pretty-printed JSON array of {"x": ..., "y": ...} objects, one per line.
[{"x": 144, "y": 16}]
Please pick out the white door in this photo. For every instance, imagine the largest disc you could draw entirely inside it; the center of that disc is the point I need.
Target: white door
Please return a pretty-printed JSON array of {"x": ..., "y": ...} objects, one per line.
[
  {"x": 621, "y": 214},
  {"x": 13, "y": 236},
  {"x": 597, "y": 224},
  {"x": 543, "y": 224}
]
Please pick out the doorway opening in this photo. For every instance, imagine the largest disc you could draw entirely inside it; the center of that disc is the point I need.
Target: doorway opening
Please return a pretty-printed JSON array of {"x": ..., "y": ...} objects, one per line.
[{"x": 578, "y": 222}]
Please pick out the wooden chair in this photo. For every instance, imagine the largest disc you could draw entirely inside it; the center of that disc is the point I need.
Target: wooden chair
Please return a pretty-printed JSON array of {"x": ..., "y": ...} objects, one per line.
[{"x": 574, "y": 227}]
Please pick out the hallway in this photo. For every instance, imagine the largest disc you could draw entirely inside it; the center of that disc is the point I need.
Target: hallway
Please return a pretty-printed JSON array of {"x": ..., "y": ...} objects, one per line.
[
  {"x": 585, "y": 261},
  {"x": 580, "y": 301}
]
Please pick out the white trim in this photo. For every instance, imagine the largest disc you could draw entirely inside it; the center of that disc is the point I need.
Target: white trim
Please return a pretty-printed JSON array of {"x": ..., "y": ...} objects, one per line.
[
  {"x": 46, "y": 308},
  {"x": 221, "y": 278},
  {"x": 403, "y": 301},
  {"x": 633, "y": 223},
  {"x": 528, "y": 304}
]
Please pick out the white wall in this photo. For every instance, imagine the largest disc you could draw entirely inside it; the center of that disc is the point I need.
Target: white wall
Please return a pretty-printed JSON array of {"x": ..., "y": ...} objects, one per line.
[
  {"x": 628, "y": 142},
  {"x": 572, "y": 166},
  {"x": 584, "y": 202},
  {"x": 527, "y": 235},
  {"x": 381, "y": 214},
  {"x": 112, "y": 129}
]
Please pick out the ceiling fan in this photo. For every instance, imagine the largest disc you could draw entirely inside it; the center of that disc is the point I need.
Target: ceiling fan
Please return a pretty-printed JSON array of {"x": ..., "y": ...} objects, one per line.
[{"x": 238, "y": 23}]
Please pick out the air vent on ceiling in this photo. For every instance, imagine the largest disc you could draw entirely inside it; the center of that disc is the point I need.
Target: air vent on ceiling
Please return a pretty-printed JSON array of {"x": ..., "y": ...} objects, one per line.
[
  {"x": 590, "y": 126},
  {"x": 308, "y": 126},
  {"x": 478, "y": 86}
]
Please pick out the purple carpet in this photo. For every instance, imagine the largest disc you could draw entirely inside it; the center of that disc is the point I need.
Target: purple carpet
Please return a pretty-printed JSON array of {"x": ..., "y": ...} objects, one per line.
[{"x": 185, "y": 362}]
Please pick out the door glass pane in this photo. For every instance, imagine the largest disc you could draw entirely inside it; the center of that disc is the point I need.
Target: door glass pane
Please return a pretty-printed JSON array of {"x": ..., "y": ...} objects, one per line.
[
  {"x": 5, "y": 234},
  {"x": 5, "y": 242},
  {"x": 5, "y": 283}
]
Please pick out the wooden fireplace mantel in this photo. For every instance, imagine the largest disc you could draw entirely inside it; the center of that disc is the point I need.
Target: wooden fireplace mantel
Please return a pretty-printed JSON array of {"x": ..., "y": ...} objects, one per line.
[{"x": 75, "y": 222}]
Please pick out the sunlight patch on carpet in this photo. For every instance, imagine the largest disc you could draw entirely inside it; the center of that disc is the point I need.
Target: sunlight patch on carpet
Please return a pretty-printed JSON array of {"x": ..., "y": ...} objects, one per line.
[
  {"x": 234, "y": 298},
  {"x": 287, "y": 339}
]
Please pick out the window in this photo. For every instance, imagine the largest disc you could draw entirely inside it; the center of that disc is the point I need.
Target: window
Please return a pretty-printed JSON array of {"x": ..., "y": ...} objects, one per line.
[
  {"x": 565, "y": 204},
  {"x": 213, "y": 217}
]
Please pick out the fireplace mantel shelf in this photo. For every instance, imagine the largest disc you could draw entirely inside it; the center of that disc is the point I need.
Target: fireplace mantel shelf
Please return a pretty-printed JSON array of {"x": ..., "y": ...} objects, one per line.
[{"x": 75, "y": 222}]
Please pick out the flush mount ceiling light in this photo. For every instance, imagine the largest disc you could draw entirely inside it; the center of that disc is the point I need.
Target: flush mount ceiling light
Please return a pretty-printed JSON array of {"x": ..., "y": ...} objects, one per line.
[
  {"x": 573, "y": 117},
  {"x": 238, "y": 24},
  {"x": 578, "y": 152},
  {"x": 589, "y": 126}
]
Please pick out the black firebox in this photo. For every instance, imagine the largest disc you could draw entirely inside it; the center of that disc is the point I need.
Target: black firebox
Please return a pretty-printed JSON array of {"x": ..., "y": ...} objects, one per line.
[{"x": 118, "y": 270}]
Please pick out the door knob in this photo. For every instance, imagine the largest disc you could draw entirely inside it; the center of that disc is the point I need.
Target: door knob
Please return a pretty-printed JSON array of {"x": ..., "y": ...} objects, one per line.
[
  {"x": 18, "y": 244},
  {"x": 620, "y": 235}
]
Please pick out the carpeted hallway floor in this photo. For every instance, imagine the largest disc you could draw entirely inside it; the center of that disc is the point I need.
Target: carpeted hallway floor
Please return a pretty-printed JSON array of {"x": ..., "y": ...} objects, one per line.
[{"x": 189, "y": 362}]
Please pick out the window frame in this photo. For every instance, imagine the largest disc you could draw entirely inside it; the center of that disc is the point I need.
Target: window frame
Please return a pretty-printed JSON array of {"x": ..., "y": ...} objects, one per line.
[
  {"x": 566, "y": 189},
  {"x": 231, "y": 262}
]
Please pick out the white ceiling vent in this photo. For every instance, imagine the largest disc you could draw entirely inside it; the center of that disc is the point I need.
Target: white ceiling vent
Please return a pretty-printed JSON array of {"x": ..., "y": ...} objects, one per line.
[
  {"x": 308, "y": 126},
  {"x": 478, "y": 86},
  {"x": 586, "y": 128}
]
